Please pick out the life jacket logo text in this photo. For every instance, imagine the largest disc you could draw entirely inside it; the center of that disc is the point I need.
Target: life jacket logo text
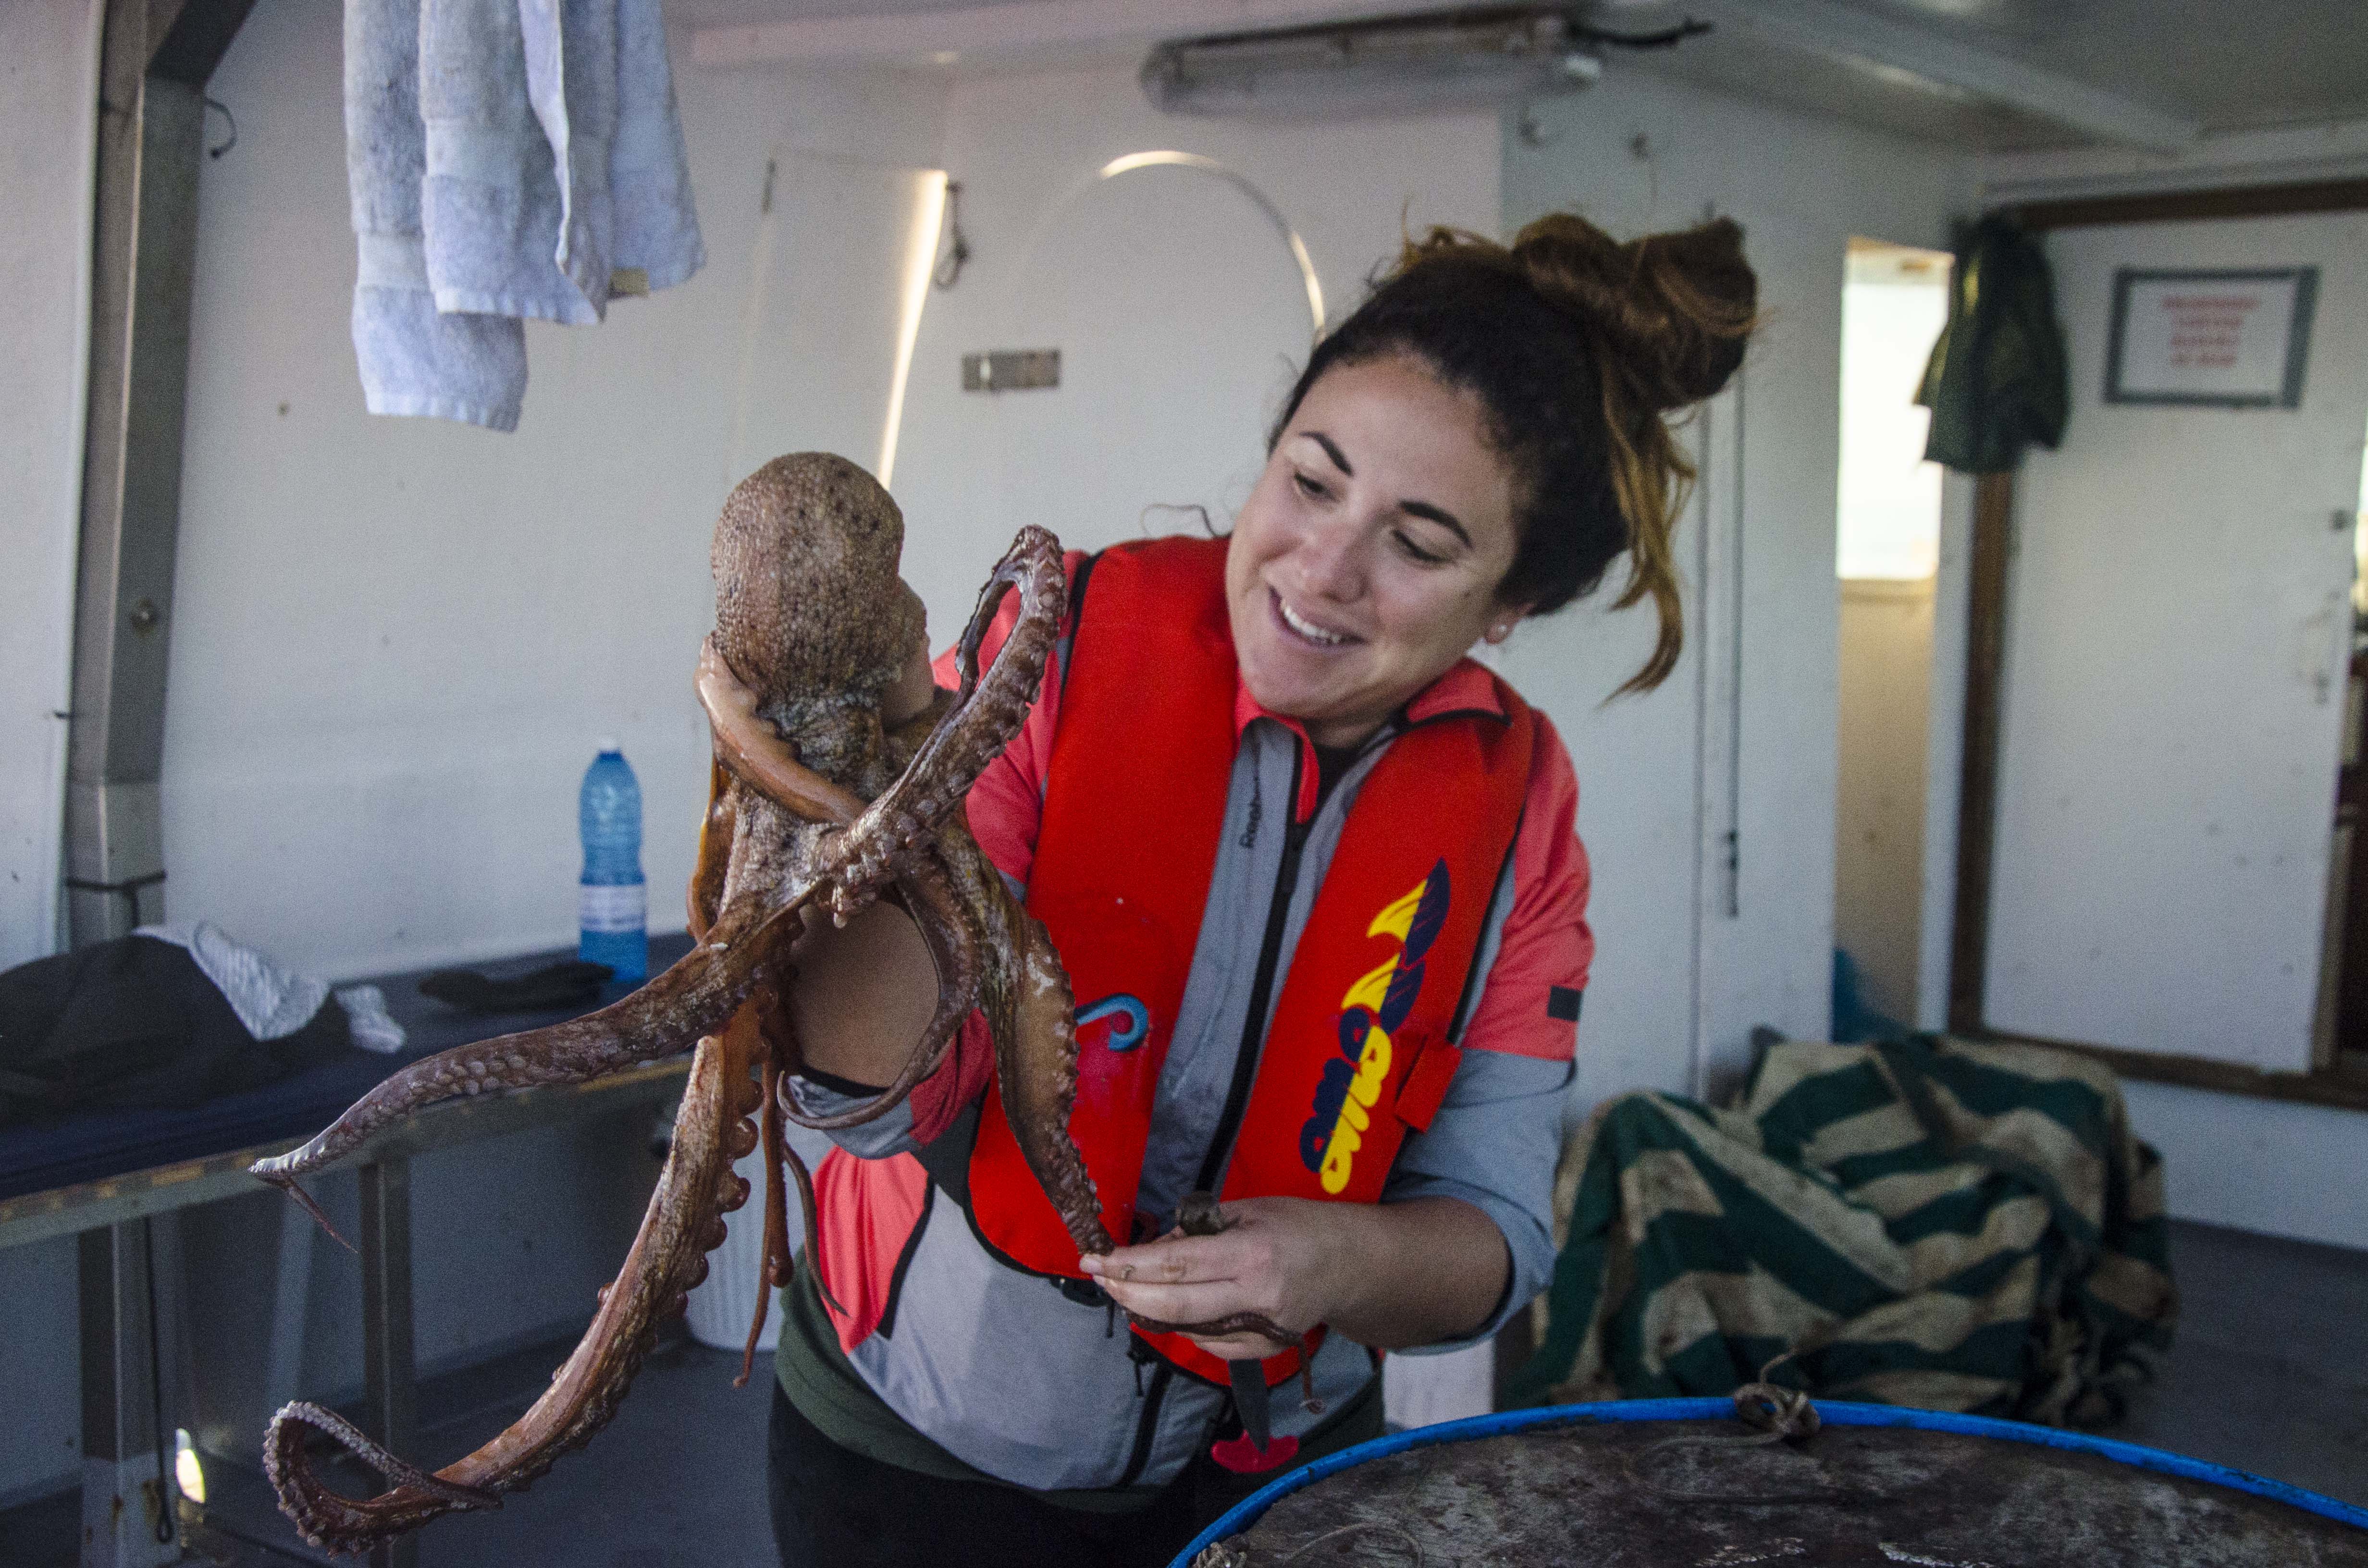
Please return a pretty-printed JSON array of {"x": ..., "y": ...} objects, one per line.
[{"x": 1374, "y": 1008}]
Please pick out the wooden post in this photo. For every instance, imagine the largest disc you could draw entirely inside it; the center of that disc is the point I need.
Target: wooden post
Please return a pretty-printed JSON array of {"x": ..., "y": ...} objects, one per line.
[{"x": 1977, "y": 780}]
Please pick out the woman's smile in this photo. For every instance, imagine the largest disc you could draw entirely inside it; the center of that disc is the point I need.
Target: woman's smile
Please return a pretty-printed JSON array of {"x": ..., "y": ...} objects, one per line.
[{"x": 1305, "y": 628}]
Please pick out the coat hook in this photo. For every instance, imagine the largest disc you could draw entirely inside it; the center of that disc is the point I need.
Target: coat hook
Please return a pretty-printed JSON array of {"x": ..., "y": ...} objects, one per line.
[{"x": 232, "y": 141}]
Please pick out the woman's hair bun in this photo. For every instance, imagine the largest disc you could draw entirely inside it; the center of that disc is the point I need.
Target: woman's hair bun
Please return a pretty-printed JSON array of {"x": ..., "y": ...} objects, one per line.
[{"x": 1674, "y": 310}]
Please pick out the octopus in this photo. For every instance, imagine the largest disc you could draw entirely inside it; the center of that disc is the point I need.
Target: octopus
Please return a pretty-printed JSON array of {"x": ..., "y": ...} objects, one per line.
[{"x": 823, "y": 799}]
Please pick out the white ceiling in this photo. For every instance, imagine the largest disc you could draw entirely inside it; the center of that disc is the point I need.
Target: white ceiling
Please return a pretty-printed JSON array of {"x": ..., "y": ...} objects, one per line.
[
  {"x": 2230, "y": 66},
  {"x": 2220, "y": 65},
  {"x": 2042, "y": 73}
]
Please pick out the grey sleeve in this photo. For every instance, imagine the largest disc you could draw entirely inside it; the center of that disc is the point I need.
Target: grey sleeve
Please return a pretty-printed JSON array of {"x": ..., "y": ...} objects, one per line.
[
  {"x": 1493, "y": 1143},
  {"x": 890, "y": 1133}
]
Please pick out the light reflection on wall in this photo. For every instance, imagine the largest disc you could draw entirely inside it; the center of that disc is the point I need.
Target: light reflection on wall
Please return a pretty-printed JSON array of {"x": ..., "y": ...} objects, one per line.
[{"x": 920, "y": 260}]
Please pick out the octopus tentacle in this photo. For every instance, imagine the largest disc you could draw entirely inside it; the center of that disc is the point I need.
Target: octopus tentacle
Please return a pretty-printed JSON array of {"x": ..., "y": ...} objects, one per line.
[
  {"x": 283, "y": 1454},
  {"x": 683, "y": 1220},
  {"x": 785, "y": 1055},
  {"x": 1216, "y": 1328},
  {"x": 716, "y": 831},
  {"x": 813, "y": 1245},
  {"x": 776, "y": 1221},
  {"x": 1033, "y": 1014},
  {"x": 748, "y": 747},
  {"x": 696, "y": 993},
  {"x": 807, "y": 595},
  {"x": 988, "y": 712}
]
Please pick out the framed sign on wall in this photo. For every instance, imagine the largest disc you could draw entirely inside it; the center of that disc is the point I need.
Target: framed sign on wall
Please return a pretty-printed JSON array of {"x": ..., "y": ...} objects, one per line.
[{"x": 2229, "y": 339}]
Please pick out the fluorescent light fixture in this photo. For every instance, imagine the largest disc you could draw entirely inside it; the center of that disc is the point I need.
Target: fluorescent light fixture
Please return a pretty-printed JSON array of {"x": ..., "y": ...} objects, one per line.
[{"x": 1469, "y": 58}]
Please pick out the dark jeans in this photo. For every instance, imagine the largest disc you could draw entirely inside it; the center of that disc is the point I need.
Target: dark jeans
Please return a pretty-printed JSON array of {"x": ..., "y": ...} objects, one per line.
[{"x": 835, "y": 1508}]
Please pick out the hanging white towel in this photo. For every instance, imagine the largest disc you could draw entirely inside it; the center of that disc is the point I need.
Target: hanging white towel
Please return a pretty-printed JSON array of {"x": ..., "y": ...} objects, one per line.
[
  {"x": 598, "y": 76},
  {"x": 509, "y": 159},
  {"x": 571, "y": 80},
  {"x": 649, "y": 175},
  {"x": 413, "y": 360},
  {"x": 490, "y": 207}
]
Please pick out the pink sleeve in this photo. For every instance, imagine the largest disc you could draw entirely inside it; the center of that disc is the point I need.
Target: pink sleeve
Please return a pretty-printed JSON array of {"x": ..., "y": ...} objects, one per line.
[
  {"x": 1529, "y": 1005},
  {"x": 1005, "y": 809}
]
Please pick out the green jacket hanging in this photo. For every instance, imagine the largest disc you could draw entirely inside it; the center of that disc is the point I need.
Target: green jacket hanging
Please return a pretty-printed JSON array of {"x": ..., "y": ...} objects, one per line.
[{"x": 1995, "y": 381}]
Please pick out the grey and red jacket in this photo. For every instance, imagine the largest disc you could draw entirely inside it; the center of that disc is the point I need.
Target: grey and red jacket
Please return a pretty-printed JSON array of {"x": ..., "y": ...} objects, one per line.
[{"x": 1365, "y": 993}]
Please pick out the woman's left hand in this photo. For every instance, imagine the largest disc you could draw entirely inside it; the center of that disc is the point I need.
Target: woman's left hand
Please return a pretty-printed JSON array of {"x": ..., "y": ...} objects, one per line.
[
  {"x": 1275, "y": 1257},
  {"x": 1386, "y": 1275}
]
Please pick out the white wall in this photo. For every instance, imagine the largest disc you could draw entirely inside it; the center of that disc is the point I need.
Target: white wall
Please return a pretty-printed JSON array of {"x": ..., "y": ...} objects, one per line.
[
  {"x": 1800, "y": 187},
  {"x": 1026, "y": 149},
  {"x": 396, "y": 640},
  {"x": 49, "y": 75},
  {"x": 2256, "y": 1164}
]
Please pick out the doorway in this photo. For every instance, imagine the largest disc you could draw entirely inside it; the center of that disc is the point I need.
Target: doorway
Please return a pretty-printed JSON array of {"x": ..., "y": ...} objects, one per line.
[
  {"x": 1887, "y": 548},
  {"x": 2173, "y": 655}
]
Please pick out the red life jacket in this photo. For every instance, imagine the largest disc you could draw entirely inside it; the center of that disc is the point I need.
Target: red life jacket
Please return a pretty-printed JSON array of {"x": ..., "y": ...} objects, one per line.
[{"x": 1358, "y": 1049}]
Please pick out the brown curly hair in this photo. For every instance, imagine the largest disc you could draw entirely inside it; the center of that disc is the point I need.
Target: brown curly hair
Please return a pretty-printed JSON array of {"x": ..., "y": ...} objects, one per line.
[{"x": 1578, "y": 346}]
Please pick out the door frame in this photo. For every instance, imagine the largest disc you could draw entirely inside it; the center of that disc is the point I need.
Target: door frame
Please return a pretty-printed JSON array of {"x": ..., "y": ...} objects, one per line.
[{"x": 1984, "y": 675}]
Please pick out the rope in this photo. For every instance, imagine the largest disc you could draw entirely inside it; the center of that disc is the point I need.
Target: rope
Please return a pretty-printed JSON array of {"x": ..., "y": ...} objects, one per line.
[{"x": 1779, "y": 1413}]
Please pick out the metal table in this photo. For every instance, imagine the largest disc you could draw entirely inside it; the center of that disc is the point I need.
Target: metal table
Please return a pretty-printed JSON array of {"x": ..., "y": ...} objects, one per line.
[{"x": 110, "y": 1213}]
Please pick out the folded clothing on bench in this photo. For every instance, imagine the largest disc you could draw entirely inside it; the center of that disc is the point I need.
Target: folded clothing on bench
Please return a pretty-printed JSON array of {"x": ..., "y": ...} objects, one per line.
[{"x": 142, "y": 1021}]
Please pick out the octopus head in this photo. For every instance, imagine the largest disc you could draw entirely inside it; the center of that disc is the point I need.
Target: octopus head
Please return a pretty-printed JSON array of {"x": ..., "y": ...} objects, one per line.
[{"x": 809, "y": 608}]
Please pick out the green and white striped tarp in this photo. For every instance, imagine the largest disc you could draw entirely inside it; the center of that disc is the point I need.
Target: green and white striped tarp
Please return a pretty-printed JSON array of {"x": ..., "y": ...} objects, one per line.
[{"x": 1931, "y": 1222}]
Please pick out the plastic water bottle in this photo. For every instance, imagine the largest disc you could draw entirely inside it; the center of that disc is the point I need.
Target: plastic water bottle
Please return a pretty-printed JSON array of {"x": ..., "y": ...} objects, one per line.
[{"x": 613, "y": 902}]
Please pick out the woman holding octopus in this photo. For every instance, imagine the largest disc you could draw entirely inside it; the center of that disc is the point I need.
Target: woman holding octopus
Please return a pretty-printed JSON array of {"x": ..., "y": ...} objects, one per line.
[{"x": 1315, "y": 875}]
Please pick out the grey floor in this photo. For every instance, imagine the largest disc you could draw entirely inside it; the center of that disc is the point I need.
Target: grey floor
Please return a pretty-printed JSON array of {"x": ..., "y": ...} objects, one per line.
[
  {"x": 2270, "y": 1375},
  {"x": 676, "y": 1481}
]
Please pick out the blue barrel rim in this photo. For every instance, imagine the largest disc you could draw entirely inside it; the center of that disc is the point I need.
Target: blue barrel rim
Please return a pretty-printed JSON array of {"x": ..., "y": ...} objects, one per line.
[{"x": 1830, "y": 1411}]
